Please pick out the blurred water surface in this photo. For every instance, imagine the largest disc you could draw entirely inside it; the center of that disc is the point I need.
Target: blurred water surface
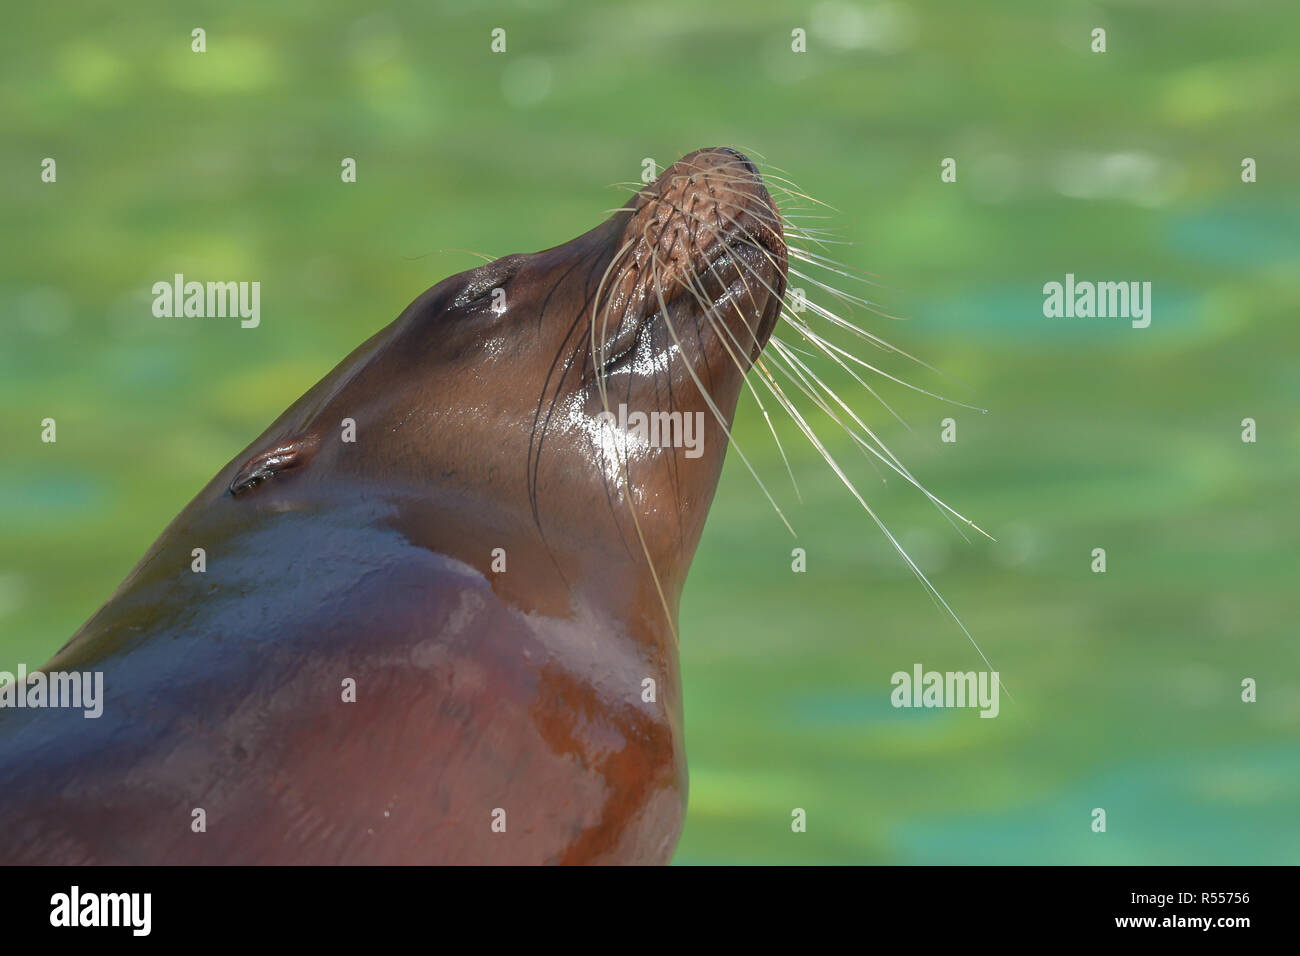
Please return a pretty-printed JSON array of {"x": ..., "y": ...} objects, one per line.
[{"x": 1116, "y": 166}]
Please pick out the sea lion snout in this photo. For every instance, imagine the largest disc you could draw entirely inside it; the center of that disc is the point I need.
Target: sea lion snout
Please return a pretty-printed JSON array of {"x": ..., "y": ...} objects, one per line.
[{"x": 707, "y": 228}]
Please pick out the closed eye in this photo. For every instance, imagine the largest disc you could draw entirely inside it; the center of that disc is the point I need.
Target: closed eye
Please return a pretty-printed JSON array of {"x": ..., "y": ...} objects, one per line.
[
  {"x": 481, "y": 282},
  {"x": 475, "y": 293}
]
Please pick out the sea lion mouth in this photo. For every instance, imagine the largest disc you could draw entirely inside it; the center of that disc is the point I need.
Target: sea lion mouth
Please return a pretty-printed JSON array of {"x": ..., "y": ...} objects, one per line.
[{"x": 704, "y": 237}]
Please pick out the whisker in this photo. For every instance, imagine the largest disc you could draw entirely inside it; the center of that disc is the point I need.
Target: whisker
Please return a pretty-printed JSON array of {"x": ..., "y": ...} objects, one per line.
[
  {"x": 902, "y": 552},
  {"x": 892, "y": 460},
  {"x": 717, "y": 413},
  {"x": 793, "y": 220},
  {"x": 830, "y": 347},
  {"x": 863, "y": 334},
  {"x": 887, "y": 458}
]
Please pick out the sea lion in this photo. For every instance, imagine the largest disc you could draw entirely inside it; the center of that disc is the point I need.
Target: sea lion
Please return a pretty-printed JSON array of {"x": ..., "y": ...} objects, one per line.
[{"x": 453, "y": 638}]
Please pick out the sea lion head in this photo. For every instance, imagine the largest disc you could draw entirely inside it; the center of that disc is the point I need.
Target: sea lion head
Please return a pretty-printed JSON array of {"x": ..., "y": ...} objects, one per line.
[{"x": 571, "y": 406}]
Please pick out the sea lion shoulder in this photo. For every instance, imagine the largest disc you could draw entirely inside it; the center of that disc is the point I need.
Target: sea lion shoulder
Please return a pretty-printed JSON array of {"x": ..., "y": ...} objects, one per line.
[{"x": 448, "y": 709}]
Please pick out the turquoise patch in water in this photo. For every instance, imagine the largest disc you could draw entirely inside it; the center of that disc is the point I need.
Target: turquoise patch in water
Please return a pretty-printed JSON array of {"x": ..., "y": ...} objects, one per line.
[
  {"x": 1233, "y": 235},
  {"x": 1016, "y": 312},
  {"x": 51, "y": 498},
  {"x": 1160, "y": 812}
]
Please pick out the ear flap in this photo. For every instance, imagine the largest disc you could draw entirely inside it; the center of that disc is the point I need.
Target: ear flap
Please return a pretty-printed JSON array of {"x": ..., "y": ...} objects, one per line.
[{"x": 268, "y": 464}]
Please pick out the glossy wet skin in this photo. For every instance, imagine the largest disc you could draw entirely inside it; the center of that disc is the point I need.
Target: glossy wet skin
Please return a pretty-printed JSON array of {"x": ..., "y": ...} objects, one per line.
[{"x": 477, "y": 428}]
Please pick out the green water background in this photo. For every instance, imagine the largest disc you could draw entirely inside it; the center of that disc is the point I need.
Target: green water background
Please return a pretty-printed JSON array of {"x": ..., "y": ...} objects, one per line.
[{"x": 1116, "y": 166}]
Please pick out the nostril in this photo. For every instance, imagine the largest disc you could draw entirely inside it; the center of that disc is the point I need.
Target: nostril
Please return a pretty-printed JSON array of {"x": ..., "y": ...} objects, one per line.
[{"x": 744, "y": 160}]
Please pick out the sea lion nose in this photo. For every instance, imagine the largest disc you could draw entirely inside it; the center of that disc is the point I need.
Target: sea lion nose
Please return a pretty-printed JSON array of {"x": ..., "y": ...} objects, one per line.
[
  {"x": 736, "y": 154},
  {"x": 723, "y": 160}
]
